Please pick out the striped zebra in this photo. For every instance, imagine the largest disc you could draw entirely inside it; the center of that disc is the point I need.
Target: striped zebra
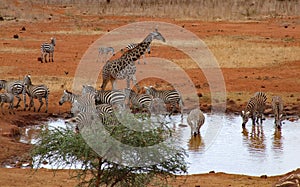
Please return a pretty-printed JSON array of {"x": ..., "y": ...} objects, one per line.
[
  {"x": 68, "y": 97},
  {"x": 88, "y": 89},
  {"x": 171, "y": 97},
  {"x": 277, "y": 106},
  {"x": 103, "y": 113},
  {"x": 35, "y": 92},
  {"x": 133, "y": 45},
  {"x": 195, "y": 120},
  {"x": 105, "y": 51},
  {"x": 48, "y": 48},
  {"x": 139, "y": 101},
  {"x": 17, "y": 85},
  {"x": 254, "y": 108},
  {"x": 80, "y": 103},
  {"x": 7, "y": 98},
  {"x": 112, "y": 97}
]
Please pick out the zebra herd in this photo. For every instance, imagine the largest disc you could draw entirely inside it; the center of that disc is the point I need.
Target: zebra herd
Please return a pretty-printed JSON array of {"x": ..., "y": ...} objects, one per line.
[
  {"x": 103, "y": 104},
  {"x": 16, "y": 87},
  {"x": 256, "y": 107}
]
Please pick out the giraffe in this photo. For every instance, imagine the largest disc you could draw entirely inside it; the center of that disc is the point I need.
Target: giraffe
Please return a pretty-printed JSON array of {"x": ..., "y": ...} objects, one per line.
[{"x": 124, "y": 67}]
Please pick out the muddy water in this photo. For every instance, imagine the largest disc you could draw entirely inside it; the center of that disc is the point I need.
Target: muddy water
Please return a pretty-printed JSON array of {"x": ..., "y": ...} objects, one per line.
[{"x": 224, "y": 146}]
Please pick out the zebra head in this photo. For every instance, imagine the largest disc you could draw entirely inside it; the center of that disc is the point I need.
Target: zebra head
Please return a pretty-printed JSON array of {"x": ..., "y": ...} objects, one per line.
[
  {"x": 27, "y": 80},
  {"x": 2, "y": 84},
  {"x": 245, "y": 116},
  {"x": 53, "y": 41},
  {"x": 65, "y": 97}
]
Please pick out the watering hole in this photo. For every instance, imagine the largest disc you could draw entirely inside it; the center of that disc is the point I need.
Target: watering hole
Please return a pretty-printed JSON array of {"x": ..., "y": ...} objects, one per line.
[{"x": 256, "y": 150}]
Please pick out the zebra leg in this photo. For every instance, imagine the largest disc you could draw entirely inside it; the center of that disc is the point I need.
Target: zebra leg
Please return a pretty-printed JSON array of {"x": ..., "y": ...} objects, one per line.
[
  {"x": 11, "y": 108},
  {"x": 2, "y": 107},
  {"x": 19, "y": 100},
  {"x": 31, "y": 104},
  {"x": 52, "y": 56},
  {"x": 46, "y": 105},
  {"x": 41, "y": 104}
]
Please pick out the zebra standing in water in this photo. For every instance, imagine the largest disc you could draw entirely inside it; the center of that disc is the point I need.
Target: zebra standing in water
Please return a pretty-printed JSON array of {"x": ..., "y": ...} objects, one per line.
[
  {"x": 195, "y": 120},
  {"x": 133, "y": 45},
  {"x": 172, "y": 97},
  {"x": 105, "y": 51},
  {"x": 254, "y": 108},
  {"x": 139, "y": 101},
  {"x": 277, "y": 106},
  {"x": 35, "y": 92},
  {"x": 48, "y": 48},
  {"x": 9, "y": 86},
  {"x": 7, "y": 98}
]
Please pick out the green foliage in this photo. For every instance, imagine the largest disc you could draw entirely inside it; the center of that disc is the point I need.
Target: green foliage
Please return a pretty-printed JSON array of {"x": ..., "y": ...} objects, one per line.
[{"x": 99, "y": 157}]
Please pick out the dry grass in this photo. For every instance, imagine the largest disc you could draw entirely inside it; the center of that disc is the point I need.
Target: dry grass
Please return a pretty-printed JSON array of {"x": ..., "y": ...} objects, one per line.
[
  {"x": 179, "y": 9},
  {"x": 16, "y": 50},
  {"x": 76, "y": 32},
  {"x": 237, "y": 52}
]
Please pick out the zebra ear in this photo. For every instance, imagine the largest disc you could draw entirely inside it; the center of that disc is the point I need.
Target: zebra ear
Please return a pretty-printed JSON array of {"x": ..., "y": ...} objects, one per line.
[
  {"x": 65, "y": 91},
  {"x": 248, "y": 112},
  {"x": 243, "y": 112}
]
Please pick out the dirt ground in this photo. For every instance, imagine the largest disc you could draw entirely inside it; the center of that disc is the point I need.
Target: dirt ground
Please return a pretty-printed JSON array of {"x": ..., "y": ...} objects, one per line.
[{"x": 275, "y": 38}]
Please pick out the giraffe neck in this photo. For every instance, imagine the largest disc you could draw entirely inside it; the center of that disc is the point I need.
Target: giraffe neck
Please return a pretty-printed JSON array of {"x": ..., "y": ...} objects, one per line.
[{"x": 135, "y": 53}]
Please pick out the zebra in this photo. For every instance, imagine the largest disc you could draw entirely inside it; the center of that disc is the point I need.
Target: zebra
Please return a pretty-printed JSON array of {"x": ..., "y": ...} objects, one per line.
[
  {"x": 105, "y": 51},
  {"x": 195, "y": 120},
  {"x": 254, "y": 108},
  {"x": 7, "y": 98},
  {"x": 112, "y": 97},
  {"x": 88, "y": 89},
  {"x": 79, "y": 103},
  {"x": 133, "y": 45},
  {"x": 48, "y": 48},
  {"x": 17, "y": 85},
  {"x": 103, "y": 113},
  {"x": 35, "y": 92},
  {"x": 68, "y": 97},
  {"x": 172, "y": 97},
  {"x": 139, "y": 101},
  {"x": 277, "y": 106}
]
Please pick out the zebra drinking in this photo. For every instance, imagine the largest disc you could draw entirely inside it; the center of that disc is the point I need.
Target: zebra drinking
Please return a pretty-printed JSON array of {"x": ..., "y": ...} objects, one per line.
[
  {"x": 195, "y": 120},
  {"x": 48, "y": 48},
  {"x": 277, "y": 106},
  {"x": 35, "y": 92},
  {"x": 254, "y": 108},
  {"x": 171, "y": 97},
  {"x": 17, "y": 85}
]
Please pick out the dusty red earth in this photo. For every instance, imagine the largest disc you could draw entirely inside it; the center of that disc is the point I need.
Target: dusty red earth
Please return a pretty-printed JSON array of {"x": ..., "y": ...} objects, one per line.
[{"x": 18, "y": 57}]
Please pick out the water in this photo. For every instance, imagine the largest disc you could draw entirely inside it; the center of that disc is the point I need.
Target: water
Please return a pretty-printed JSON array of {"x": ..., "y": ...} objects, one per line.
[{"x": 224, "y": 146}]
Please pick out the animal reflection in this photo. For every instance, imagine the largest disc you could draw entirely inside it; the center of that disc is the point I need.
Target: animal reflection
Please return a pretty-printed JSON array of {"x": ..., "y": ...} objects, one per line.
[
  {"x": 196, "y": 143},
  {"x": 277, "y": 140},
  {"x": 256, "y": 139}
]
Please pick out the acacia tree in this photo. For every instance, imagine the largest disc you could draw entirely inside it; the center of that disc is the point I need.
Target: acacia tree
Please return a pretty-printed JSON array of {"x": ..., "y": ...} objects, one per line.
[{"x": 99, "y": 161}]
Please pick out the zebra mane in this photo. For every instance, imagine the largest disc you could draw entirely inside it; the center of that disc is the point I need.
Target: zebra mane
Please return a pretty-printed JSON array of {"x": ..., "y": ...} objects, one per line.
[{"x": 67, "y": 91}]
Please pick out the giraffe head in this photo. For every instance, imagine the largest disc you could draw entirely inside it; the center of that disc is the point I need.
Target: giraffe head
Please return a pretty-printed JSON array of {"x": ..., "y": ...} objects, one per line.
[{"x": 157, "y": 36}]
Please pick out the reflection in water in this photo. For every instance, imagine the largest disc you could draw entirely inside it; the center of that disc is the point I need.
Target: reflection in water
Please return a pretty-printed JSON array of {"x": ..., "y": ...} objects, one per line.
[
  {"x": 277, "y": 141},
  {"x": 256, "y": 139},
  {"x": 196, "y": 143},
  {"x": 260, "y": 150}
]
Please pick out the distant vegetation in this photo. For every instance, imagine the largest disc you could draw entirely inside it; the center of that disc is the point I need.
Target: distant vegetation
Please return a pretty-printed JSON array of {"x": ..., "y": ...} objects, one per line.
[{"x": 177, "y": 9}]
